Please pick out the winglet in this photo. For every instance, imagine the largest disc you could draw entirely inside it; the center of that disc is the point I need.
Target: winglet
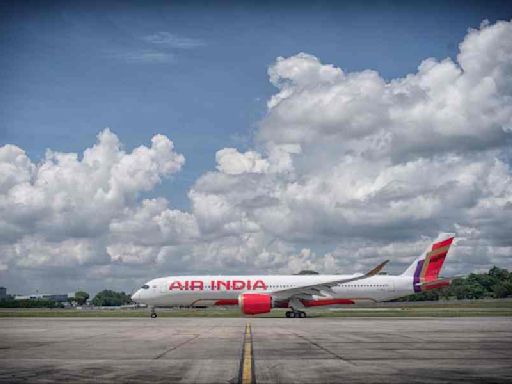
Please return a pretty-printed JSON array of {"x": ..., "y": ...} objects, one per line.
[{"x": 377, "y": 269}]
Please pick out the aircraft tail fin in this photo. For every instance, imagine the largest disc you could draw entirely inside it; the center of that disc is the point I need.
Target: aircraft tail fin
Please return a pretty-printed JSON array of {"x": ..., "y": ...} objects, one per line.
[{"x": 426, "y": 268}]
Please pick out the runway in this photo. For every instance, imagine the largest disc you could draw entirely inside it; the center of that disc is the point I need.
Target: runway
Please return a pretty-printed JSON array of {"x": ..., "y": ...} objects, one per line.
[{"x": 211, "y": 350}]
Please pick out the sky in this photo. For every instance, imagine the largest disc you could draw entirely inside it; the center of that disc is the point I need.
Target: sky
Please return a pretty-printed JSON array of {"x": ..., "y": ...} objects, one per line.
[{"x": 140, "y": 139}]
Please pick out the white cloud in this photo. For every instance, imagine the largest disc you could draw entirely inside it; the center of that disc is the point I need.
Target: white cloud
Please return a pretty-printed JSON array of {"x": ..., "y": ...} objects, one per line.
[
  {"x": 59, "y": 212},
  {"x": 375, "y": 161},
  {"x": 146, "y": 56},
  {"x": 233, "y": 162},
  {"x": 152, "y": 223},
  {"x": 15, "y": 167},
  {"x": 350, "y": 169},
  {"x": 444, "y": 106},
  {"x": 172, "y": 41},
  {"x": 161, "y": 49}
]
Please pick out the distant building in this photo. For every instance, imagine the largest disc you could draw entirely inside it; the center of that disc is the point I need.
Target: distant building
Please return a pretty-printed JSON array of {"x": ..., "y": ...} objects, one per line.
[
  {"x": 43, "y": 296},
  {"x": 3, "y": 293},
  {"x": 58, "y": 297}
]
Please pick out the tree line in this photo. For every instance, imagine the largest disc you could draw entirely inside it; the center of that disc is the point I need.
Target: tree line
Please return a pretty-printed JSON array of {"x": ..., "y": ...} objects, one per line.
[
  {"x": 108, "y": 298},
  {"x": 105, "y": 298}
]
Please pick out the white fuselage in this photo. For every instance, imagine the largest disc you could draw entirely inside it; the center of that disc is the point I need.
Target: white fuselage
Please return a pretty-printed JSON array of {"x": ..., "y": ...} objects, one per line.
[{"x": 225, "y": 290}]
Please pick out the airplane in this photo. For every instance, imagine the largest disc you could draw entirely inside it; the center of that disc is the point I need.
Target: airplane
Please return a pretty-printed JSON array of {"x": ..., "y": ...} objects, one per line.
[{"x": 260, "y": 294}]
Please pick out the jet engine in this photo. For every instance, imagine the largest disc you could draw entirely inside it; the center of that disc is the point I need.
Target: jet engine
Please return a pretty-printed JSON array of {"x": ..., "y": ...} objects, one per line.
[{"x": 254, "y": 303}]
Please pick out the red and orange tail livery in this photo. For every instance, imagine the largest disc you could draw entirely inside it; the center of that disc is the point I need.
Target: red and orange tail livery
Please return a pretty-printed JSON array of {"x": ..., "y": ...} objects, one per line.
[{"x": 425, "y": 270}]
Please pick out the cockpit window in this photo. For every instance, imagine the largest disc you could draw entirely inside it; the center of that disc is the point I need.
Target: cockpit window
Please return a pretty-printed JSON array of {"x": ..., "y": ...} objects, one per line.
[{"x": 145, "y": 286}]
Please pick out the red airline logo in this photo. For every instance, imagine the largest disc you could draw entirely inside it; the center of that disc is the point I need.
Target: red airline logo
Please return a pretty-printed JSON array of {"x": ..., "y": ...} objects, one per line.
[{"x": 217, "y": 285}]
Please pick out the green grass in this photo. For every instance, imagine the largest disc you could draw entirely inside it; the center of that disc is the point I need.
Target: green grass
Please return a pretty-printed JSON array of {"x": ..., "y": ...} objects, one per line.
[
  {"x": 119, "y": 313},
  {"x": 416, "y": 313},
  {"x": 463, "y": 309},
  {"x": 454, "y": 304}
]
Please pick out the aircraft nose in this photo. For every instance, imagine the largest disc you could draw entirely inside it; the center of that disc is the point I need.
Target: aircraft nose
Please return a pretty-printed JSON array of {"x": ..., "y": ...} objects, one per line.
[{"x": 136, "y": 296}]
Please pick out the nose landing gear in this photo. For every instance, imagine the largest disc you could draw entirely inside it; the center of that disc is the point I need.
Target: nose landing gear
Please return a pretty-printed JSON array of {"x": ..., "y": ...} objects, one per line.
[{"x": 153, "y": 313}]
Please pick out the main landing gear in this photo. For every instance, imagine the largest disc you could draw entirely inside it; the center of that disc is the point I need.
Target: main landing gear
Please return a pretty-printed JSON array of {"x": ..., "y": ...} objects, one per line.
[
  {"x": 294, "y": 313},
  {"x": 153, "y": 313}
]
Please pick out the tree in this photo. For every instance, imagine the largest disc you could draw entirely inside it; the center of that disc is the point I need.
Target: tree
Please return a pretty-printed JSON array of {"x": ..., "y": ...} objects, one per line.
[
  {"x": 483, "y": 280},
  {"x": 81, "y": 297},
  {"x": 499, "y": 273},
  {"x": 110, "y": 298},
  {"x": 502, "y": 289}
]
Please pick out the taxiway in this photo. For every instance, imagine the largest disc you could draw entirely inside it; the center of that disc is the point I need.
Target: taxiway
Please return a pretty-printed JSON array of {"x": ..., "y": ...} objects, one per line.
[{"x": 210, "y": 350}]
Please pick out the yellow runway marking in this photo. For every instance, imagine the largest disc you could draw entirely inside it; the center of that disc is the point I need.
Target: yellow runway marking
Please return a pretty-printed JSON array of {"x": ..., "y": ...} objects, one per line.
[{"x": 246, "y": 364}]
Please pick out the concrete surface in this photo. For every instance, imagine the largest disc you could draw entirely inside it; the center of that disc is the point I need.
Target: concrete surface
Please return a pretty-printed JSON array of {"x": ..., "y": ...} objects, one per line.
[{"x": 207, "y": 350}]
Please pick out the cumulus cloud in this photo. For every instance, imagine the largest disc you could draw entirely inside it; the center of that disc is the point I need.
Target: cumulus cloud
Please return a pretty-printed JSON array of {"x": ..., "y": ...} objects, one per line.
[
  {"x": 377, "y": 161},
  {"x": 232, "y": 162},
  {"x": 445, "y": 105},
  {"x": 59, "y": 211},
  {"x": 347, "y": 169},
  {"x": 64, "y": 196}
]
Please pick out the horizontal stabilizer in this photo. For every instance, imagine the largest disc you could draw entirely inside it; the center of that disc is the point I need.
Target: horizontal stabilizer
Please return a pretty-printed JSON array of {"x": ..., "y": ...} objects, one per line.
[
  {"x": 438, "y": 281},
  {"x": 433, "y": 284}
]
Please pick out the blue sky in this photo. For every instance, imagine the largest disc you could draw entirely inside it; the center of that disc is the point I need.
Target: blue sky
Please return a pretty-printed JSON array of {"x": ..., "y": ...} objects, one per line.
[{"x": 196, "y": 72}]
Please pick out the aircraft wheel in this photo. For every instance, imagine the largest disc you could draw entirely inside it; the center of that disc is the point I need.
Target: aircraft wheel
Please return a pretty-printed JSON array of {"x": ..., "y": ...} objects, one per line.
[
  {"x": 302, "y": 314},
  {"x": 293, "y": 314},
  {"x": 288, "y": 314},
  {"x": 153, "y": 315}
]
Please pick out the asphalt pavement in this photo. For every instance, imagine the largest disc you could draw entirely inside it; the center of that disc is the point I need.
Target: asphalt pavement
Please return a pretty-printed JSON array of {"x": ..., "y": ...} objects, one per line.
[{"x": 272, "y": 350}]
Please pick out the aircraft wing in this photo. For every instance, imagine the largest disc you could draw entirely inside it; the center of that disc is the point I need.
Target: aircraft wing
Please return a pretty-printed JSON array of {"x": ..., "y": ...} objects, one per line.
[{"x": 306, "y": 291}]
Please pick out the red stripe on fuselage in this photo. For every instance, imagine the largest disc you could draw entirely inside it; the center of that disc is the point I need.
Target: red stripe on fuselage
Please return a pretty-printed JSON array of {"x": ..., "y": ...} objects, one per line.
[
  {"x": 226, "y": 302},
  {"x": 317, "y": 303}
]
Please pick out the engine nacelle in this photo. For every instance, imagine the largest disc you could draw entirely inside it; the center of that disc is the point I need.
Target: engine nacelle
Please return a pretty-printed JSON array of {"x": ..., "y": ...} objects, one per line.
[{"x": 254, "y": 303}]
